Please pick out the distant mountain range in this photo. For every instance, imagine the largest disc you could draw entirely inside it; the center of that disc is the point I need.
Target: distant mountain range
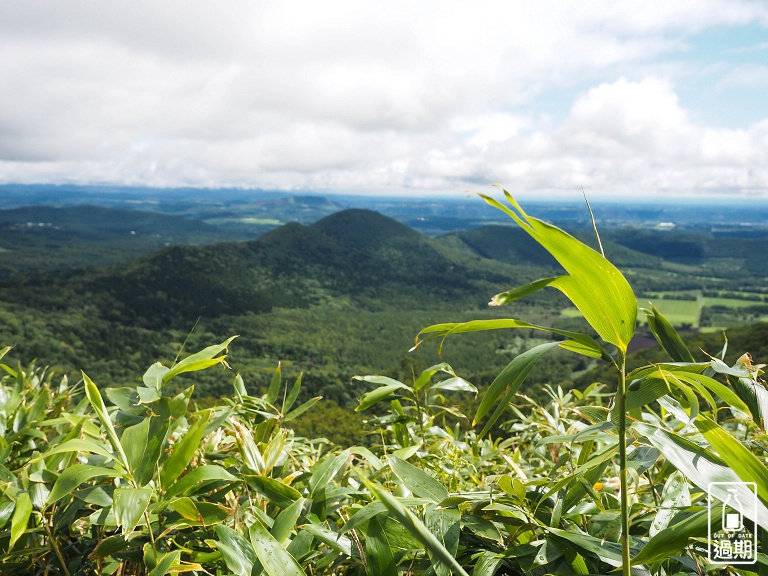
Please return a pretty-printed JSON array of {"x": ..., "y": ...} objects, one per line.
[{"x": 344, "y": 294}]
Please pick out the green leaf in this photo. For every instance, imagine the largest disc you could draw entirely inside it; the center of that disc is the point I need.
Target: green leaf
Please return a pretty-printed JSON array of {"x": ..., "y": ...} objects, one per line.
[
  {"x": 333, "y": 539},
  {"x": 292, "y": 395},
  {"x": 153, "y": 377},
  {"x": 199, "y": 361},
  {"x": 454, "y": 384},
  {"x": 667, "y": 336},
  {"x": 248, "y": 449},
  {"x": 382, "y": 393},
  {"x": 143, "y": 444},
  {"x": 427, "y": 374},
  {"x": 417, "y": 481},
  {"x": 183, "y": 451},
  {"x": 675, "y": 496},
  {"x": 202, "y": 476},
  {"x": 740, "y": 459},
  {"x": 487, "y": 563},
  {"x": 301, "y": 408},
  {"x": 445, "y": 525},
  {"x": 504, "y": 387},
  {"x": 20, "y": 518},
  {"x": 593, "y": 284},
  {"x": 199, "y": 513},
  {"x": 579, "y": 343},
  {"x": 237, "y": 552},
  {"x": 75, "y": 475},
  {"x": 378, "y": 552},
  {"x": 275, "y": 559},
  {"x": 285, "y": 522},
  {"x": 78, "y": 445},
  {"x": 414, "y": 526},
  {"x": 675, "y": 538},
  {"x": 520, "y": 291},
  {"x": 128, "y": 505},
  {"x": 608, "y": 552},
  {"x": 274, "y": 386},
  {"x": 702, "y": 466},
  {"x": 755, "y": 397},
  {"x": 274, "y": 490},
  {"x": 166, "y": 562},
  {"x": 97, "y": 403},
  {"x": 325, "y": 471}
]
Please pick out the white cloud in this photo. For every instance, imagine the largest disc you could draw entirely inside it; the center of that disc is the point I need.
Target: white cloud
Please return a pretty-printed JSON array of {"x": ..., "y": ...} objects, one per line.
[{"x": 374, "y": 96}]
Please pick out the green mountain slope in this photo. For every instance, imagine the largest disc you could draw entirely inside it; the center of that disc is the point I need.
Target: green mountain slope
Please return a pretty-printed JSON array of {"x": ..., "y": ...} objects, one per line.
[{"x": 45, "y": 237}]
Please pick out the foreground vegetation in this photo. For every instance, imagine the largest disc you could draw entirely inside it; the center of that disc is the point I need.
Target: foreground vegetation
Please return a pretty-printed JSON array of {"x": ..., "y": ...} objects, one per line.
[{"x": 140, "y": 480}]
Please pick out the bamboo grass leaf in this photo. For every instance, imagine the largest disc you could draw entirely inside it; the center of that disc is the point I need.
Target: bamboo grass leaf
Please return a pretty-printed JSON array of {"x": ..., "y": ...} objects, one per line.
[
  {"x": 417, "y": 481},
  {"x": 508, "y": 382},
  {"x": 415, "y": 527},
  {"x": 275, "y": 559},
  {"x": 237, "y": 552},
  {"x": 667, "y": 336},
  {"x": 703, "y": 467},
  {"x": 593, "y": 284},
  {"x": 584, "y": 344},
  {"x": 199, "y": 361},
  {"x": 274, "y": 385},
  {"x": 128, "y": 505},
  {"x": 75, "y": 475},
  {"x": 183, "y": 451},
  {"x": 378, "y": 551},
  {"x": 20, "y": 518},
  {"x": 97, "y": 403}
]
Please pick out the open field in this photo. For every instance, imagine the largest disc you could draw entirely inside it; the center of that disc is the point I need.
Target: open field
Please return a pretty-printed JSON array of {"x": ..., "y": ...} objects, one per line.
[{"x": 723, "y": 312}]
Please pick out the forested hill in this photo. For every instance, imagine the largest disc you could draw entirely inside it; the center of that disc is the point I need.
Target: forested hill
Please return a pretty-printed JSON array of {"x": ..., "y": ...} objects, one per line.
[{"x": 356, "y": 254}]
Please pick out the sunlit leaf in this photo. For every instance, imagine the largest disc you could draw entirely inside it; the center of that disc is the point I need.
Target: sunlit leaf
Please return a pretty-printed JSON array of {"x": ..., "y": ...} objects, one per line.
[
  {"x": 593, "y": 284},
  {"x": 20, "y": 518},
  {"x": 417, "y": 481},
  {"x": 183, "y": 451},
  {"x": 667, "y": 336},
  {"x": 275, "y": 559},
  {"x": 128, "y": 505}
]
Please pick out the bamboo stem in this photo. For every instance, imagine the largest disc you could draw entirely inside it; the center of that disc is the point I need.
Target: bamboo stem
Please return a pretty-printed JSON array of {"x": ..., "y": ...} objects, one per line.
[{"x": 621, "y": 397}]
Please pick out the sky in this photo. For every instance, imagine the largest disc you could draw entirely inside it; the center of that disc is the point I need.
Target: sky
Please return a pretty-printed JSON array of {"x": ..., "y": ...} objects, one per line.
[{"x": 546, "y": 97}]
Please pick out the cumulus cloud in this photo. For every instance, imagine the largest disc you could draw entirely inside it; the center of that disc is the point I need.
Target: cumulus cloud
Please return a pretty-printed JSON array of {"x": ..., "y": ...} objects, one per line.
[{"x": 371, "y": 97}]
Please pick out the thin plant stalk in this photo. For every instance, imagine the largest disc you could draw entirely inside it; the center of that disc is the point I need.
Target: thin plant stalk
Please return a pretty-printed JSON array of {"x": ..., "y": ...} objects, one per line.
[{"x": 621, "y": 396}]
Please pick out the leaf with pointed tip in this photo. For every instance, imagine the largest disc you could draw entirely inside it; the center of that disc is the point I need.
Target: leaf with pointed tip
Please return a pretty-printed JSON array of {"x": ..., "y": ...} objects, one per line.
[
  {"x": 274, "y": 386},
  {"x": 667, "y": 336},
  {"x": 20, "y": 518},
  {"x": 143, "y": 444},
  {"x": 577, "y": 342},
  {"x": 183, "y": 451},
  {"x": 593, "y": 284},
  {"x": 417, "y": 481},
  {"x": 199, "y": 361},
  {"x": 378, "y": 551},
  {"x": 520, "y": 291},
  {"x": 703, "y": 467},
  {"x": 507, "y": 383},
  {"x": 427, "y": 374},
  {"x": 379, "y": 394},
  {"x": 275, "y": 559},
  {"x": 301, "y": 408},
  {"x": 128, "y": 505},
  {"x": 75, "y": 475},
  {"x": 292, "y": 395},
  {"x": 97, "y": 403},
  {"x": 237, "y": 552},
  {"x": 415, "y": 527}
]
